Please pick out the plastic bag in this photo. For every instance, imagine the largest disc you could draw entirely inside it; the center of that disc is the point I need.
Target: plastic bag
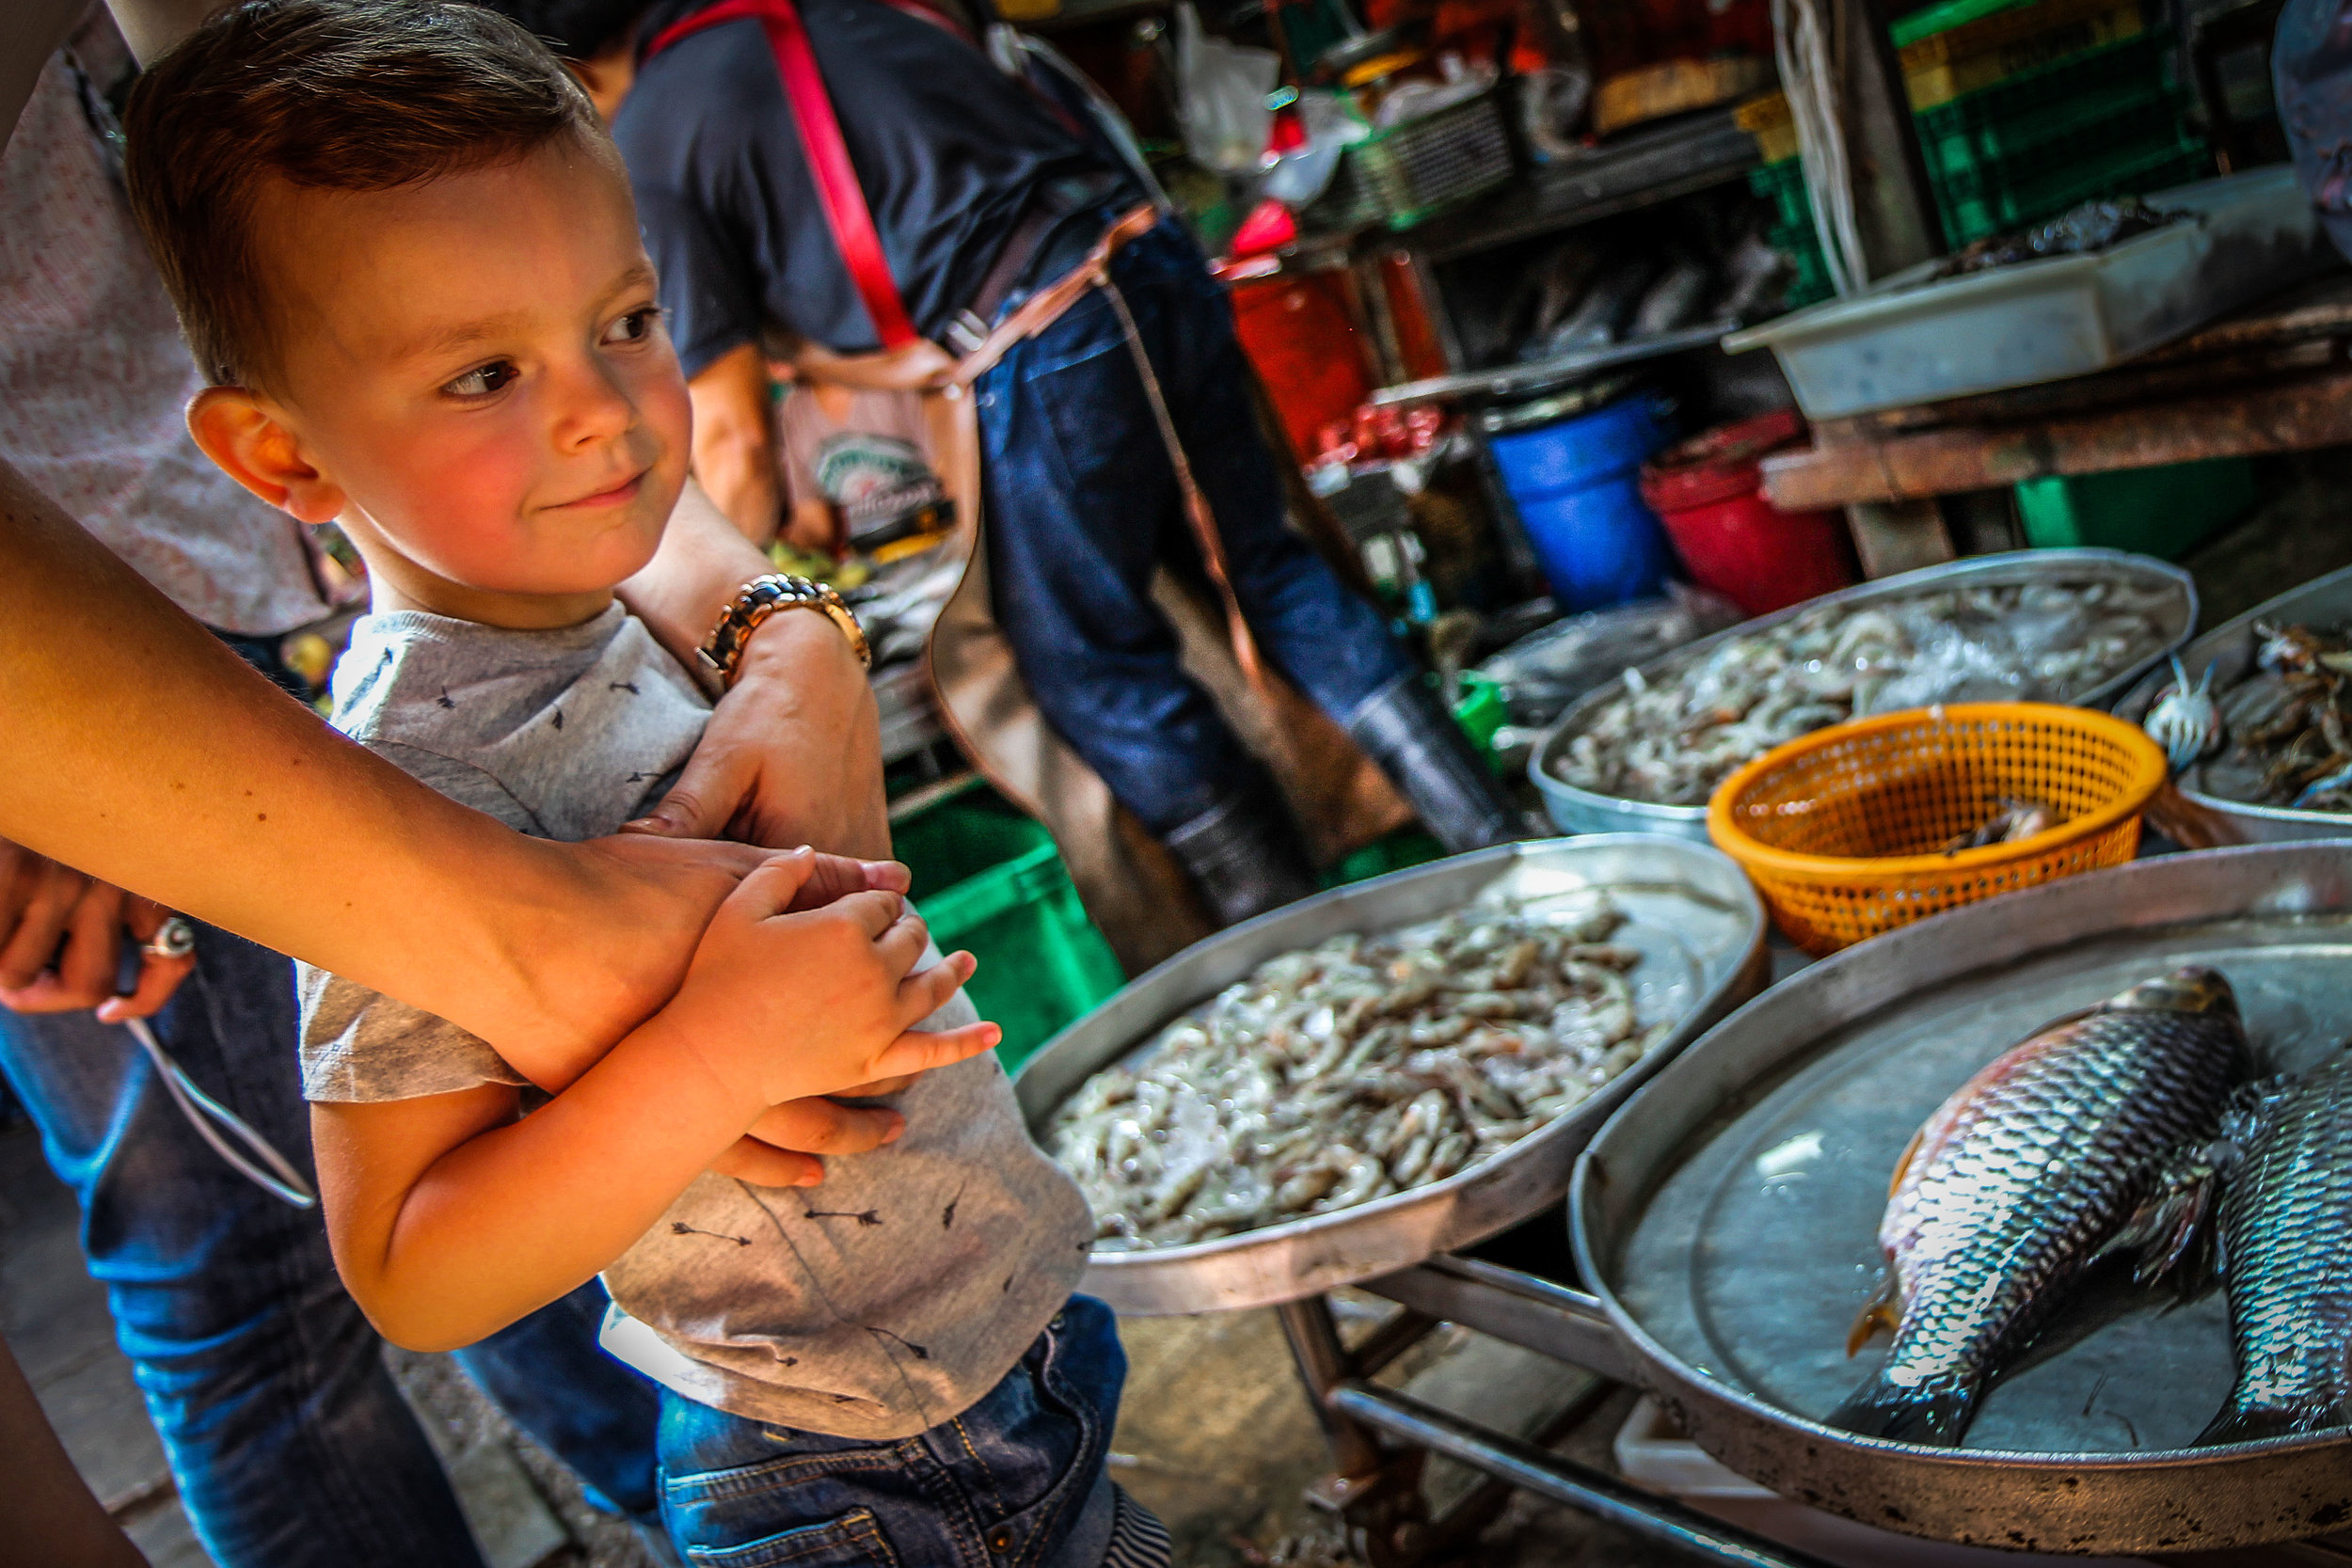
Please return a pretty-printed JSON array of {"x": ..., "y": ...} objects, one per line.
[
  {"x": 1544, "y": 672},
  {"x": 1221, "y": 92}
]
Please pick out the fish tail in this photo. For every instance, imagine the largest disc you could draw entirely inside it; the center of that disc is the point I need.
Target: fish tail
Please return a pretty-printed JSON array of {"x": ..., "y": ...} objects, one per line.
[
  {"x": 1933, "y": 1416},
  {"x": 2251, "y": 1424}
]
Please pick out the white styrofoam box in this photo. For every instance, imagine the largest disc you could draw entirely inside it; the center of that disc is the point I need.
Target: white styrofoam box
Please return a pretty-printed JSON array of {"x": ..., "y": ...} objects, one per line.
[{"x": 1911, "y": 338}]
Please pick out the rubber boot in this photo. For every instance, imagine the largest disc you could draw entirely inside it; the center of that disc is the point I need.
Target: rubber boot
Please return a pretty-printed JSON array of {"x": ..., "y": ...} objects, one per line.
[
  {"x": 1433, "y": 764},
  {"x": 1244, "y": 856}
]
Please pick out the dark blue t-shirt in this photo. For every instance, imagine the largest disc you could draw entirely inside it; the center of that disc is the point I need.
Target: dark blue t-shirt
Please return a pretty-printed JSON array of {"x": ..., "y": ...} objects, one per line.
[{"x": 948, "y": 149}]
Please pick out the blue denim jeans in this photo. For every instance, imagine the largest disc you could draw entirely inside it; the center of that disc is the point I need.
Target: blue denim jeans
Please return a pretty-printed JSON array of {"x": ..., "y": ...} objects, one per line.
[
  {"x": 290, "y": 1443},
  {"x": 1016, "y": 1481},
  {"x": 1083, "y": 505}
]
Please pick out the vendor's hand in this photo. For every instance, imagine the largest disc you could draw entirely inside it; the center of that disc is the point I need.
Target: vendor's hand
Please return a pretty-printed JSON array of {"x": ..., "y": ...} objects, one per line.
[
  {"x": 793, "y": 754},
  {"x": 61, "y": 938},
  {"x": 818, "y": 527},
  {"x": 850, "y": 970}
]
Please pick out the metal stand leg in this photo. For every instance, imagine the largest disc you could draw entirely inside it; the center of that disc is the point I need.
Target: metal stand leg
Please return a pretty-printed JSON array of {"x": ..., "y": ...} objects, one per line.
[{"x": 1377, "y": 1490}]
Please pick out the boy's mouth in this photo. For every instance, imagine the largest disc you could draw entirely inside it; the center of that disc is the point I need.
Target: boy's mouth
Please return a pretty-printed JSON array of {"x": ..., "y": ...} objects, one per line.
[{"x": 619, "y": 495}]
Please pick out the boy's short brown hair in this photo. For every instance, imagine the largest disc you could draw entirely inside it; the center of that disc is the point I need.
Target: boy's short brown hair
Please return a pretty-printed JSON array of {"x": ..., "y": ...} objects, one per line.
[{"x": 339, "y": 95}]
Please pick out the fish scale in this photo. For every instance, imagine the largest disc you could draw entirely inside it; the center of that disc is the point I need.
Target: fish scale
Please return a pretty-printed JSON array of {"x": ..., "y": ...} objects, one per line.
[
  {"x": 2017, "y": 1182},
  {"x": 2286, "y": 1235}
]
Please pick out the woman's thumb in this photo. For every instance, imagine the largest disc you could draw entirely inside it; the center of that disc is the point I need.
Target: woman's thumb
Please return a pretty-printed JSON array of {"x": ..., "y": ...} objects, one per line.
[{"x": 699, "y": 805}]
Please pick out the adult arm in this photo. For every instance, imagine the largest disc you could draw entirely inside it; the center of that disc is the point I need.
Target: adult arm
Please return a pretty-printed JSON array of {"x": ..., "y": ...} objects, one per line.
[
  {"x": 793, "y": 753},
  {"x": 735, "y": 442},
  {"x": 143, "y": 753},
  {"x": 53, "y": 1518}
]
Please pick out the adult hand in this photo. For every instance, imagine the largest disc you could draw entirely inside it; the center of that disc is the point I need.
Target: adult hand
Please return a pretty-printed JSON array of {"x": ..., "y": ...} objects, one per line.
[
  {"x": 793, "y": 753},
  {"x": 61, "y": 942}
]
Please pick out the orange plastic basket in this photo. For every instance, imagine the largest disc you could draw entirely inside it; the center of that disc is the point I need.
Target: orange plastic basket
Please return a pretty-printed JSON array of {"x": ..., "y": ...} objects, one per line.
[{"x": 1843, "y": 831}]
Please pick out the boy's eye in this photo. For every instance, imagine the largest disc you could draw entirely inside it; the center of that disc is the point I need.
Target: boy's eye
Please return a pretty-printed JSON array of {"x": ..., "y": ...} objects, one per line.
[
  {"x": 482, "y": 380},
  {"x": 634, "y": 327}
]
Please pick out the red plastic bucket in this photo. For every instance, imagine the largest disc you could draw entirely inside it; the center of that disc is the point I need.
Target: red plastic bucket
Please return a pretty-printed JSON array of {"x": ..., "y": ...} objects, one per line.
[{"x": 1707, "y": 491}]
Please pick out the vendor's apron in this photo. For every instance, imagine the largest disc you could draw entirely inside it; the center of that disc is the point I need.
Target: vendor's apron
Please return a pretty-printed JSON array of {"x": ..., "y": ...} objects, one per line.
[{"x": 1131, "y": 886}]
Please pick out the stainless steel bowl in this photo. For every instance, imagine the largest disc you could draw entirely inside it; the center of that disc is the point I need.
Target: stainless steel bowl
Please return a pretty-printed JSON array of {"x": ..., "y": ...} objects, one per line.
[
  {"x": 1692, "y": 913},
  {"x": 1582, "y": 811},
  {"x": 2186, "y": 813},
  {"x": 1727, "y": 1218}
]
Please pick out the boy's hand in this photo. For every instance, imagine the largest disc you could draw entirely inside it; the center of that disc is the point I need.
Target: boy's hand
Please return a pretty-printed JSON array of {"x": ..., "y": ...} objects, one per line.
[
  {"x": 846, "y": 967},
  {"x": 787, "y": 1145}
]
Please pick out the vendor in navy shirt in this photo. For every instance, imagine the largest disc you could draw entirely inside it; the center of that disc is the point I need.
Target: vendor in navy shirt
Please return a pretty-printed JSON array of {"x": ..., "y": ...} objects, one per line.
[{"x": 962, "y": 165}]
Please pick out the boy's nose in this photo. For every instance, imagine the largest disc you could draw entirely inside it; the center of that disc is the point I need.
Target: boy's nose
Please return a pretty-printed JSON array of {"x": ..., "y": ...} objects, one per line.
[{"x": 594, "y": 408}]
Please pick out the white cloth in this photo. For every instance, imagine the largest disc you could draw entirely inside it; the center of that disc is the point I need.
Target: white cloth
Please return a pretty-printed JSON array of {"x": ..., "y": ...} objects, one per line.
[{"x": 96, "y": 381}]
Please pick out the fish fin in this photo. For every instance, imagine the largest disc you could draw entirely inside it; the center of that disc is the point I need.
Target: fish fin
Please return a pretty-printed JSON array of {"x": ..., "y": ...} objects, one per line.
[
  {"x": 2172, "y": 1224},
  {"x": 1881, "y": 1312},
  {"x": 1935, "y": 1417},
  {"x": 2252, "y": 1423},
  {"x": 1902, "y": 1162}
]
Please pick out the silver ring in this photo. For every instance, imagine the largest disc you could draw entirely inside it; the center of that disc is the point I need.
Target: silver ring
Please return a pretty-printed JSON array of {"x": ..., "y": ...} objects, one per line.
[{"x": 174, "y": 938}]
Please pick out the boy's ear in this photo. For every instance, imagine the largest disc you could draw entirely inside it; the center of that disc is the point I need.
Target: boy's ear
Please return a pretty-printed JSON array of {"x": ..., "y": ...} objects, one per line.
[{"x": 242, "y": 433}]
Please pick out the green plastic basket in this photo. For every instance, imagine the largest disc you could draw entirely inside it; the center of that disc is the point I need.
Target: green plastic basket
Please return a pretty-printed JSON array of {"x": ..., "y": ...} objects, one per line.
[
  {"x": 1407, "y": 173},
  {"x": 988, "y": 878}
]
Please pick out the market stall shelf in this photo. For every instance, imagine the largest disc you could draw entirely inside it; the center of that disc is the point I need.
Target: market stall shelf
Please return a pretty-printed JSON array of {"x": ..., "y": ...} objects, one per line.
[
  {"x": 1691, "y": 914},
  {"x": 1727, "y": 1218}
]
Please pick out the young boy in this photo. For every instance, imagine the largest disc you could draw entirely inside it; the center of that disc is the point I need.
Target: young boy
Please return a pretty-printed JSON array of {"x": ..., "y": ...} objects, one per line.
[{"x": 405, "y": 255}]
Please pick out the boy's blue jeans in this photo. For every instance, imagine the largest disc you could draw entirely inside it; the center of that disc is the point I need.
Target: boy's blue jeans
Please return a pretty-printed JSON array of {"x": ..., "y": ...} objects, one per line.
[
  {"x": 1083, "y": 506},
  {"x": 1016, "y": 1481},
  {"x": 288, "y": 1441}
]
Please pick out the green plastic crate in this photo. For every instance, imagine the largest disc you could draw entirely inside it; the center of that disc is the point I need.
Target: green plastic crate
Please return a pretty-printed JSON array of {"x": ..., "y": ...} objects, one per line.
[
  {"x": 988, "y": 878},
  {"x": 2163, "y": 510},
  {"x": 1397, "y": 851},
  {"x": 1972, "y": 214},
  {"x": 2089, "y": 100},
  {"x": 1932, "y": 20}
]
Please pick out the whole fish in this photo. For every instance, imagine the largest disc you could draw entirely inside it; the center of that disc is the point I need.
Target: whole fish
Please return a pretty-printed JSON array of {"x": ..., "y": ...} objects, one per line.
[
  {"x": 2066, "y": 1148},
  {"x": 2286, "y": 1256}
]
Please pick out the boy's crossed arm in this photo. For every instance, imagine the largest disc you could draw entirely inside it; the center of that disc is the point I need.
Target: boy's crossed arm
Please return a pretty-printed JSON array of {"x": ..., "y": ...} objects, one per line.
[
  {"x": 451, "y": 1218},
  {"x": 786, "y": 1146}
]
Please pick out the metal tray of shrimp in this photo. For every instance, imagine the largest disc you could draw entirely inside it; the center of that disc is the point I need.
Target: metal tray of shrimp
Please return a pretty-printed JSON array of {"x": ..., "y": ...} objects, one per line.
[
  {"x": 2193, "y": 812},
  {"x": 1727, "y": 1218},
  {"x": 1690, "y": 913},
  {"x": 1582, "y": 811}
]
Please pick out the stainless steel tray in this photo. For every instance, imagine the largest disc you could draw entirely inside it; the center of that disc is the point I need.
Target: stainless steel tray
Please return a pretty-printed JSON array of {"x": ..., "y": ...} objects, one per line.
[
  {"x": 1727, "y": 1217},
  {"x": 2186, "y": 813},
  {"x": 1582, "y": 811},
  {"x": 1692, "y": 913}
]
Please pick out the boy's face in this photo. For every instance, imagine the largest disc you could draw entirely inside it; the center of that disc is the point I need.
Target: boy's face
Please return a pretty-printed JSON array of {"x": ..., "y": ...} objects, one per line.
[{"x": 473, "y": 379}]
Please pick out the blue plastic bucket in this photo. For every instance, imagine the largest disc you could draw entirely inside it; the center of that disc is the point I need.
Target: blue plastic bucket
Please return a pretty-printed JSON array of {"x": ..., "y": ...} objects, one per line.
[{"x": 1577, "y": 485}]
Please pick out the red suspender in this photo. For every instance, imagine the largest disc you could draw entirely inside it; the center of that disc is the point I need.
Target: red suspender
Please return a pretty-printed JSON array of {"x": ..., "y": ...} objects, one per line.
[{"x": 846, "y": 212}]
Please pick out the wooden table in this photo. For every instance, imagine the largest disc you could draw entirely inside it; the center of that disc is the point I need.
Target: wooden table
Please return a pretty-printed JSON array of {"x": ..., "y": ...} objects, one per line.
[{"x": 2273, "y": 378}]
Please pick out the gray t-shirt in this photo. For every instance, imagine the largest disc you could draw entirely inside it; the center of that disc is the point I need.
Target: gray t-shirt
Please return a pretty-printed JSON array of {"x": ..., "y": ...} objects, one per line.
[{"x": 874, "y": 1306}]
